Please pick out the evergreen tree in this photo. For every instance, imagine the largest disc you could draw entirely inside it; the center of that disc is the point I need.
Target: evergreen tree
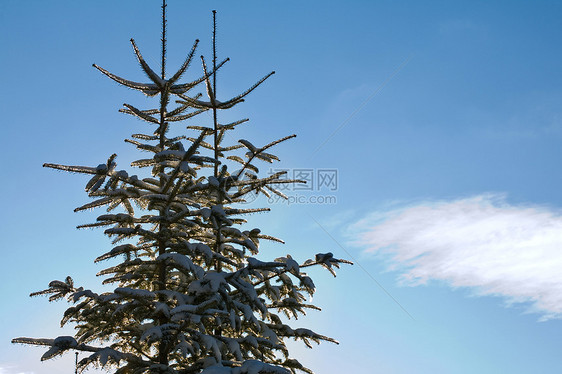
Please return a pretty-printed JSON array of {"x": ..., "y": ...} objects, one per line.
[{"x": 191, "y": 296}]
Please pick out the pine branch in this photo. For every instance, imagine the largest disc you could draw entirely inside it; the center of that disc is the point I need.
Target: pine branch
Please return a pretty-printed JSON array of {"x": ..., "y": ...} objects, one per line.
[
  {"x": 140, "y": 114},
  {"x": 147, "y": 89},
  {"x": 185, "y": 64},
  {"x": 158, "y": 81}
]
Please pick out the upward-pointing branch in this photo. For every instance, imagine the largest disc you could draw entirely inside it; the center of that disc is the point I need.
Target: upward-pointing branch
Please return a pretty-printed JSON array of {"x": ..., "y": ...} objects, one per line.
[{"x": 163, "y": 39}]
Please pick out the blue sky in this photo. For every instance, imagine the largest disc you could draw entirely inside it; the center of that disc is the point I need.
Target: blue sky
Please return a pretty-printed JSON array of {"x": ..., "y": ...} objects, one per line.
[{"x": 442, "y": 119}]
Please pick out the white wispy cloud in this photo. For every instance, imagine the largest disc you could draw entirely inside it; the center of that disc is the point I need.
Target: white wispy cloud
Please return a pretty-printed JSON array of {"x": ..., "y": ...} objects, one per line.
[
  {"x": 7, "y": 369},
  {"x": 480, "y": 242}
]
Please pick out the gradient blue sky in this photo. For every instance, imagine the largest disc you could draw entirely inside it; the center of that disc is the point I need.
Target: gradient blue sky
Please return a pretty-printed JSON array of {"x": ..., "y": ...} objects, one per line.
[{"x": 443, "y": 120}]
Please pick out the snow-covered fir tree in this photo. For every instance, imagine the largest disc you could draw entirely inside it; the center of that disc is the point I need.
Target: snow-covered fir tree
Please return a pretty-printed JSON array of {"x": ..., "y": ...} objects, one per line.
[{"x": 191, "y": 295}]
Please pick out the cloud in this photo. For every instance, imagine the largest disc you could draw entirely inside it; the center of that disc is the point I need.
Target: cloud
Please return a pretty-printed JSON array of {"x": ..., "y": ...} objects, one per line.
[
  {"x": 480, "y": 242},
  {"x": 10, "y": 370}
]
